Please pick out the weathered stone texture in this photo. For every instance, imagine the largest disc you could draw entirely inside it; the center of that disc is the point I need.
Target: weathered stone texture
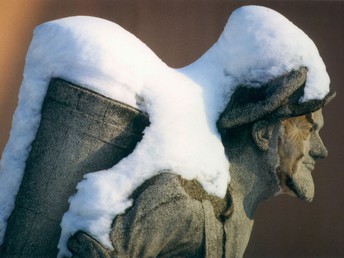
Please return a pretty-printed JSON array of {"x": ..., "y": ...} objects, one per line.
[{"x": 80, "y": 132}]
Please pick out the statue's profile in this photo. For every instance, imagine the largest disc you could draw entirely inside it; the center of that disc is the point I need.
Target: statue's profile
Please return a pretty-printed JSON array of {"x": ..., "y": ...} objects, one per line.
[
  {"x": 270, "y": 152},
  {"x": 180, "y": 158}
]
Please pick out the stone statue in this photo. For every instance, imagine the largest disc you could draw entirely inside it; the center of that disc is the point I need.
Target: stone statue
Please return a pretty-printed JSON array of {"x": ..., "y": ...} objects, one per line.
[
  {"x": 272, "y": 142},
  {"x": 270, "y": 137}
]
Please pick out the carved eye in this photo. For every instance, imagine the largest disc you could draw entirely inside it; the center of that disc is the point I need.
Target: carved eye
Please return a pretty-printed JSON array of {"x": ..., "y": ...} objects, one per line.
[{"x": 306, "y": 127}]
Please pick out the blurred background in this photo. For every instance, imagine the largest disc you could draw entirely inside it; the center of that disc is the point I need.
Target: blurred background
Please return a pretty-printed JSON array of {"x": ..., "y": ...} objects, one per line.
[{"x": 180, "y": 31}]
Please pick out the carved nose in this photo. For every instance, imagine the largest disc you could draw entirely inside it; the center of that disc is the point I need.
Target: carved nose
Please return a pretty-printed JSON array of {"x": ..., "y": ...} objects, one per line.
[{"x": 318, "y": 149}]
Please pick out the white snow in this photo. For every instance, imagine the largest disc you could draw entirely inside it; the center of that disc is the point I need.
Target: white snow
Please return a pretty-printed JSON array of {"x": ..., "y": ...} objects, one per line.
[{"x": 257, "y": 44}]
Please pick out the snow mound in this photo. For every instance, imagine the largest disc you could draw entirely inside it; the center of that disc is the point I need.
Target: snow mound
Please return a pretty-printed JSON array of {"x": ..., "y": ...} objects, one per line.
[
  {"x": 257, "y": 45},
  {"x": 183, "y": 105}
]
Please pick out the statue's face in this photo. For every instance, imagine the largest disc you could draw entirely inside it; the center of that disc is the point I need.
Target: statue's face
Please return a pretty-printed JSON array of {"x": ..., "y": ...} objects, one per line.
[{"x": 300, "y": 146}]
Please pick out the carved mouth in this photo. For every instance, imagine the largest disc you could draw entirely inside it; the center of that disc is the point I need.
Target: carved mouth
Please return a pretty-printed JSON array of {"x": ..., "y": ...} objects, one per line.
[{"x": 310, "y": 166}]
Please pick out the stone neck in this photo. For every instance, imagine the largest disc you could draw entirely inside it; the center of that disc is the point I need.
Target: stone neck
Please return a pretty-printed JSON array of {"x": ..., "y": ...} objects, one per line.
[{"x": 253, "y": 181}]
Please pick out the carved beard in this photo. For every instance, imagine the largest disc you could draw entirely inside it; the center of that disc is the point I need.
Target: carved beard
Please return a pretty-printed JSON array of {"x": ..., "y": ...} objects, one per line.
[{"x": 296, "y": 165}]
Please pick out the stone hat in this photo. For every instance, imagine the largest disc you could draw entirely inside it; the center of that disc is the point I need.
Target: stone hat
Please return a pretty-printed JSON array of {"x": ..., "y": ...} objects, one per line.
[{"x": 278, "y": 99}]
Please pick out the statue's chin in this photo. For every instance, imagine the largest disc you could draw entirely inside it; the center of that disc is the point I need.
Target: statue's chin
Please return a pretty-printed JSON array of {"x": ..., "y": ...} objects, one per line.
[
  {"x": 303, "y": 190},
  {"x": 298, "y": 184}
]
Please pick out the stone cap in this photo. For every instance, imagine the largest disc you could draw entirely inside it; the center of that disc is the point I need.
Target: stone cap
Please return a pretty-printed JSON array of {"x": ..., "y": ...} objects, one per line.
[{"x": 278, "y": 99}]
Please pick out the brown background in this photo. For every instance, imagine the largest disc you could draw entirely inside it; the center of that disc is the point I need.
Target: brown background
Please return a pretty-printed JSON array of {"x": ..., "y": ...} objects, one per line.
[{"x": 179, "y": 32}]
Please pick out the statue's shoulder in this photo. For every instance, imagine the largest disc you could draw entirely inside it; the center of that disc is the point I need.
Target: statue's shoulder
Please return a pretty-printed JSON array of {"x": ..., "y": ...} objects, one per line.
[
  {"x": 162, "y": 217},
  {"x": 169, "y": 187},
  {"x": 161, "y": 190}
]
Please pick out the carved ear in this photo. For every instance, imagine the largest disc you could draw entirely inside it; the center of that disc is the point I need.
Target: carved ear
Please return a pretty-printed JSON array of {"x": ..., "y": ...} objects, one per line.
[{"x": 262, "y": 133}]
